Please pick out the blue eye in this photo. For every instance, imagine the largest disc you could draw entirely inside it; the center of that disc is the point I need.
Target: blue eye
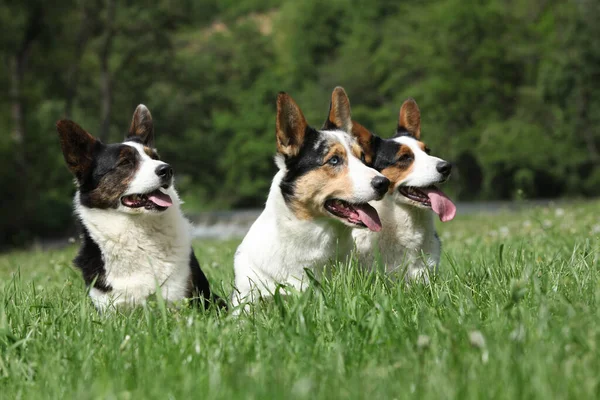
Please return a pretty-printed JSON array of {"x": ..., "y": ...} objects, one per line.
[{"x": 335, "y": 160}]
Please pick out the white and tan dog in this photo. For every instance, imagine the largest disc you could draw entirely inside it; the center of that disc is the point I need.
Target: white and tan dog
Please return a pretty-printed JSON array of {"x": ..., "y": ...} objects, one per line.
[
  {"x": 320, "y": 193},
  {"x": 408, "y": 243}
]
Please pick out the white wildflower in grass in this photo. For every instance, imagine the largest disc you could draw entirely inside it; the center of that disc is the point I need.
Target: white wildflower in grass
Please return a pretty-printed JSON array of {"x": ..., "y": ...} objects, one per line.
[
  {"x": 302, "y": 387},
  {"x": 423, "y": 342},
  {"x": 518, "y": 334},
  {"x": 559, "y": 212},
  {"x": 527, "y": 224},
  {"x": 547, "y": 224},
  {"x": 124, "y": 343},
  {"x": 504, "y": 231},
  {"x": 595, "y": 229},
  {"x": 476, "y": 339}
]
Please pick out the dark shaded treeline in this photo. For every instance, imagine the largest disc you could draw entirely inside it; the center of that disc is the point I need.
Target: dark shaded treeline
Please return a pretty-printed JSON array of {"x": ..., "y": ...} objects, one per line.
[{"x": 508, "y": 90}]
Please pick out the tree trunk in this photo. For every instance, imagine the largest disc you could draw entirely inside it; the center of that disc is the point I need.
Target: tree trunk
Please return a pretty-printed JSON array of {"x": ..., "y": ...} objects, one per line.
[
  {"x": 17, "y": 111},
  {"x": 17, "y": 67},
  {"x": 105, "y": 75},
  {"x": 73, "y": 72}
]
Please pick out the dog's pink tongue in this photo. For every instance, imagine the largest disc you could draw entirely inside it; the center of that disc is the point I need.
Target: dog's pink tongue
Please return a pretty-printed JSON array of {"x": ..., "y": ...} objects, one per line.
[
  {"x": 368, "y": 216},
  {"x": 441, "y": 204},
  {"x": 160, "y": 199}
]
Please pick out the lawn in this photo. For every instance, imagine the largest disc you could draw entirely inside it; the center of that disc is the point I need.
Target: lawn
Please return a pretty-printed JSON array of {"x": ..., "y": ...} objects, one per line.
[{"x": 513, "y": 313}]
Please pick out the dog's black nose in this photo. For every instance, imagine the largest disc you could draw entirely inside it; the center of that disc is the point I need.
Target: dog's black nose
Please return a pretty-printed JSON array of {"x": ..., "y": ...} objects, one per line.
[
  {"x": 444, "y": 168},
  {"x": 380, "y": 184},
  {"x": 164, "y": 171}
]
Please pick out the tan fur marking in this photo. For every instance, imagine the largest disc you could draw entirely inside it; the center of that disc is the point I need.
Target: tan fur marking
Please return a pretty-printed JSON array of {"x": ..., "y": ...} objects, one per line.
[
  {"x": 410, "y": 118},
  {"x": 321, "y": 184},
  {"x": 290, "y": 126},
  {"x": 142, "y": 125},
  {"x": 151, "y": 153},
  {"x": 363, "y": 136},
  {"x": 112, "y": 185},
  {"x": 398, "y": 172},
  {"x": 339, "y": 110}
]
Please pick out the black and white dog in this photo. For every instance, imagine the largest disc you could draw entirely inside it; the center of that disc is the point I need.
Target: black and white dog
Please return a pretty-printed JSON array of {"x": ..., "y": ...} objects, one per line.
[{"x": 135, "y": 238}]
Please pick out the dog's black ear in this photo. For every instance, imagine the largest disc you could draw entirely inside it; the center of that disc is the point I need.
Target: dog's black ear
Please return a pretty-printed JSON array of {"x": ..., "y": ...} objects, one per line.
[
  {"x": 365, "y": 139},
  {"x": 78, "y": 147},
  {"x": 339, "y": 111},
  {"x": 409, "y": 121},
  {"x": 142, "y": 126},
  {"x": 290, "y": 126}
]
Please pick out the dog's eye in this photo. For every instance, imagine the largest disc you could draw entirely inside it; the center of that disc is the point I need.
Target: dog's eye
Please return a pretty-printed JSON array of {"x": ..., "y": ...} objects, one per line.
[
  {"x": 404, "y": 158},
  {"x": 362, "y": 157},
  {"x": 125, "y": 162},
  {"x": 335, "y": 160}
]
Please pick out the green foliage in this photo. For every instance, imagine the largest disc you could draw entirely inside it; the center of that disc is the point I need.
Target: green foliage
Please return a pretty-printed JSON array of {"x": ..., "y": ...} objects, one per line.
[
  {"x": 508, "y": 90},
  {"x": 512, "y": 314}
]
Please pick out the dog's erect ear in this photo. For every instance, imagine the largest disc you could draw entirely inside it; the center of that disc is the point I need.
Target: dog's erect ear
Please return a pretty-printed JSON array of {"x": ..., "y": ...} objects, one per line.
[
  {"x": 77, "y": 147},
  {"x": 409, "y": 122},
  {"x": 142, "y": 126},
  {"x": 339, "y": 111},
  {"x": 290, "y": 126},
  {"x": 365, "y": 139}
]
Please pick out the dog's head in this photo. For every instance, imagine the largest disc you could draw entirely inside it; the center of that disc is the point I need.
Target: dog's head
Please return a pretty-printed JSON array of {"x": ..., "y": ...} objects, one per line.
[
  {"x": 128, "y": 177},
  {"x": 323, "y": 172},
  {"x": 406, "y": 161}
]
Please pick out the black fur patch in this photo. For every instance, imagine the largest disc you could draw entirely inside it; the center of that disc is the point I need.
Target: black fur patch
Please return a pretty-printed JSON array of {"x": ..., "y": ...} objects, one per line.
[
  {"x": 385, "y": 153},
  {"x": 199, "y": 287},
  {"x": 89, "y": 261},
  {"x": 401, "y": 131},
  {"x": 310, "y": 157},
  {"x": 113, "y": 168}
]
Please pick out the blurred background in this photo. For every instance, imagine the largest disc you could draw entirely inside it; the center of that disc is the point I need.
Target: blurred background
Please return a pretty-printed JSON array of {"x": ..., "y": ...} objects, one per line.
[{"x": 508, "y": 91}]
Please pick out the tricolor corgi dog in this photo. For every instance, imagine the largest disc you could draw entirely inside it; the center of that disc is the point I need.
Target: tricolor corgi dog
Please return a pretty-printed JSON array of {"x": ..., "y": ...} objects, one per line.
[
  {"x": 408, "y": 243},
  {"x": 320, "y": 193},
  {"x": 135, "y": 239}
]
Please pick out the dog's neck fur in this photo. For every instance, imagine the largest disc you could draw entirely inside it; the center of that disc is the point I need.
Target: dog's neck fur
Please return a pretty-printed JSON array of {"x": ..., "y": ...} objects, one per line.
[
  {"x": 140, "y": 252},
  {"x": 292, "y": 245},
  {"x": 407, "y": 244}
]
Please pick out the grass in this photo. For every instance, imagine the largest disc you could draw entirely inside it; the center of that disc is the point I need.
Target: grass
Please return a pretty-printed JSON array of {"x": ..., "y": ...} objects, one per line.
[{"x": 512, "y": 314}]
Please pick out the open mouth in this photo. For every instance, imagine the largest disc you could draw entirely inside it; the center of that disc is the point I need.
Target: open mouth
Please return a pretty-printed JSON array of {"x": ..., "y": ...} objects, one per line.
[
  {"x": 433, "y": 198},
  {"x": 361, "y": 215},
  {"x": 155, "y": 200}
]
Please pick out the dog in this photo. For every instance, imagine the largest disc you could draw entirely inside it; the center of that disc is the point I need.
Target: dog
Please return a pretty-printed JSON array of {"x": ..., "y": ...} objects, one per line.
[
  {"x": 320, "y": 193},
  {"x": 408, "y": 243},
  {"x": 135, "y": 239}
]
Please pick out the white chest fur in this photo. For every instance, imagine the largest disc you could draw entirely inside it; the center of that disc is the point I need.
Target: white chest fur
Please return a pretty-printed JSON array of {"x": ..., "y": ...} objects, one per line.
[
  {"x": 407, "y": 245},
  {"x": 141, "y": 253},
  {"x": 279, "y": 247}
]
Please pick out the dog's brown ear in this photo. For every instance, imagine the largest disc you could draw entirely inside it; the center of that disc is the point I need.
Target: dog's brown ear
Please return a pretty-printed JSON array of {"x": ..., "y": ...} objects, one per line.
[
  {"x": 77, "y": 146},
  {"x": 365, "y": 139},
  {"x": 339, "y": 111},
  {"x": 290, "y": 126},
  {"x": 142, "y": 126},
  {"x": 409, "y": 122}
]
